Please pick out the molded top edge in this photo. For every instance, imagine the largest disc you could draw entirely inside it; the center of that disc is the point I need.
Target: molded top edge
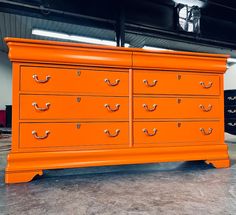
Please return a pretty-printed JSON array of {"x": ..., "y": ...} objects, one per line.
[{"x": 79, "y": 45}]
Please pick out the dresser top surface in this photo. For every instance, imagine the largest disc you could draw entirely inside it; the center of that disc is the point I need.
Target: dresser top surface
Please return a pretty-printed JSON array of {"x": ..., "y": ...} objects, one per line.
[{"x": 10, "y": 40}]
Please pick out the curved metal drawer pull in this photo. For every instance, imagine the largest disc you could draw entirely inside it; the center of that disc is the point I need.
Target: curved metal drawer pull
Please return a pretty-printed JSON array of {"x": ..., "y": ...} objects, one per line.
[
  {"x": 35, "y": 77},
  {"x": 41, "y": 109},
  {"x": 232, "y": 111},
  {"x": 106, "y": 131},
  {"x": 34, "y": 133},
  {"x": 150, "y": 85},
  {"x": 231, "y": 98},
  {"x": 206, "y": 86},
  {"x": 204, "y": 109},
  {"x": 117, "y": 107},
  {"x": 112, "y": 84},
  {"x": 232, "y": 124},
  {"x": 206, "y": 133},
  {"x": 148, "y": 134},
  {"x": 150, "y": 110}
]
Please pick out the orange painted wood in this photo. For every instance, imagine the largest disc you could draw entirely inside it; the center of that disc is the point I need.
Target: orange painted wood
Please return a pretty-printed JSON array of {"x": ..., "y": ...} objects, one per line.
[
  {"x": 26, "y": 50},
  {"x": 77, "y": 130},
  {"x": 72, "y": 134},
  {"x": 74, "y": 80},
  {"x": 175, "y": 83},
  {"x": 176, "y": 132},
  {"x": 176, "y": 107},
  {"x": 219, "y": 163},
  {"x": 85, "y": 158},
  {"x": 63, "y": 53},
  {"x": 22, "y": 176},
  {"x": 173, "y": 61},
  {"x": 76, "y": 107}
]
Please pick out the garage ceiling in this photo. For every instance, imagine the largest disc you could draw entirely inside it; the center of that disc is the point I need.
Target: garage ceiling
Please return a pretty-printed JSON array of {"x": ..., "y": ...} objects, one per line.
[
  {"x": 149, "y": 22},
  {"x": 12, "y": 25}
]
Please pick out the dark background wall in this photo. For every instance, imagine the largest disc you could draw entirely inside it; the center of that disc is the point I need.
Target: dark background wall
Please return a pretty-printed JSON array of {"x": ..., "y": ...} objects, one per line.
[{"x": 147, "y": 17}]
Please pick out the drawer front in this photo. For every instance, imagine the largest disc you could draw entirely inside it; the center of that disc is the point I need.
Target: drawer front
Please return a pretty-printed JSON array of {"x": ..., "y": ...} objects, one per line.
[
  {"x": 41, "y": 135},
  {"x": 230, "y": 97},
  {"x": 160, "y": 132},
  {"x": 152, "y": 82},
  {"x": 150, "y": 107},
  {"x": 230, "y": 111},
  {"x": 41, "y": 79},
  {"x": 230, "y": 126},
  {"x": 73, "y": 107}
]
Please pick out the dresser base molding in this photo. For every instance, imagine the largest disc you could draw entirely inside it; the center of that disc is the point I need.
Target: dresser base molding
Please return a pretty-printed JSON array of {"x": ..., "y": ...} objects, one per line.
[
  {"x": 21, "y": 176},
  {"x": 219, "y": 163},
  {"x": 22, "y": 167}
]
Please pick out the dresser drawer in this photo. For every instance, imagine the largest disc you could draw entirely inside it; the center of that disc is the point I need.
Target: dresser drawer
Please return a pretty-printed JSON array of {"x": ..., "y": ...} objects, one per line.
[
  {"x": 42, "y": 79},
  {"x": 73, "y": 107},
  {"x": 154, "y": 82},
  {"x": 230, "y": 97},
  {"x": 230, "y": 126},
  {"x": 151, "y": 107},
  {"x": 230, "y": 111},
  {"x": 41, "y": 135},
  {"x": 158, "y": 132}
]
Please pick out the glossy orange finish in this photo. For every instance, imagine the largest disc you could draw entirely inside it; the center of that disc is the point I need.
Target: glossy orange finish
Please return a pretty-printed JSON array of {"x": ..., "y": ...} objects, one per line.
[
  {"x": 176, "y": 107},
  {"x": 176, "y": 132},
  {"x": 75, "y": 107},
  {"x": 72, "y": 134},
  {"x": 74, "y": 80},
  {"x": 174, "y": 61},
  {"x": 80, "y": 105},
  {"x": 175, "y": 83}
]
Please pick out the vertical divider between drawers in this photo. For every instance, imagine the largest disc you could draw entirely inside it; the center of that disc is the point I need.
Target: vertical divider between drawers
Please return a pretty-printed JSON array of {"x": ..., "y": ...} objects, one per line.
[{"x": 130, "y": 107}]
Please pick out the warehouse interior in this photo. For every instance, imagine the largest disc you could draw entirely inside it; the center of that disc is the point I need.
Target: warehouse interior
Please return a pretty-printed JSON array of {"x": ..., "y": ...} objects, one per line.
[{"x": 191, "y": 187}]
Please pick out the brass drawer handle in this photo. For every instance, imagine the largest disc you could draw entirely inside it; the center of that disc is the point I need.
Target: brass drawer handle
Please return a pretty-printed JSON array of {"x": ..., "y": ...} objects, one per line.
[
  {"x": 112, "y": 84},
  {"x": 34, "y": 133},
  {"x": 35, "y": 105},
  {"x": 231, "y": 98},
  {"x": 35, "y": 77},
  {"x": 150, "y": 85},
  {"x": 154, "y": 107},
  {"x": 205, "y": 109},
  {"x": 206, "y": 133},
  {"x": 232, "y": 111},
  {"x": 232, "y": 124},
  {"x": 149, "y": 134},
  {"x": 206, "y": 86},
  {"x": 117, "y": 107},
  {"x": 106, "y": 131}
]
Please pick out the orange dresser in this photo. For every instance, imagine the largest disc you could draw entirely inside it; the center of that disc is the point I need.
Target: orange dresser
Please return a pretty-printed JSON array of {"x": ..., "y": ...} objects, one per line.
[{"x": 80, "y": 105}]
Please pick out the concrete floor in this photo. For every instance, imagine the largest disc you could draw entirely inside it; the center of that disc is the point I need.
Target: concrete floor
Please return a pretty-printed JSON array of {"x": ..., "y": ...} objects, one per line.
[{"x": 166, "y": 188}]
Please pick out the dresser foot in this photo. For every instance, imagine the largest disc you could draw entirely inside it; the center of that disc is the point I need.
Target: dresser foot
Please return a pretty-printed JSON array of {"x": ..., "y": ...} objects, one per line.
[
  {"x": 19, "y": 177},
  {"x": 219, "y": 163}
]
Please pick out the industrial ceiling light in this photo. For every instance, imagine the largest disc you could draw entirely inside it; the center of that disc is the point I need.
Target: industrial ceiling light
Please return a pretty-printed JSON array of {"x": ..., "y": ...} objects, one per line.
[
  {"x": 188, "y": 18},
  {"x": 155, "y": 48},
  {"x": 191, "y": 3},
  {"x": 76, "y": 38},
  {"x": 189, "y": 14}
]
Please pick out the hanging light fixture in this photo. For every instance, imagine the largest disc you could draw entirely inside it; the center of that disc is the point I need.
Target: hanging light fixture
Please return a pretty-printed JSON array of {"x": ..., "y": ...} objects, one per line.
[{"x": 77, "y": 38}]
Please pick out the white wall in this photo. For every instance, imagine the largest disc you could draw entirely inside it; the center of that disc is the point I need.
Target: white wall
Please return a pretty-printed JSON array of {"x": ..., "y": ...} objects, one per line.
[
  {"x": 230, "y": 78},
  {"x": 5, "y": 81}
]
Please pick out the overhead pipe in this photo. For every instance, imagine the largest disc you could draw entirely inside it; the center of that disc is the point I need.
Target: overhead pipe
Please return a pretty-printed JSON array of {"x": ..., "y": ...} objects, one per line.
[{"x": 41, "y": 8}]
